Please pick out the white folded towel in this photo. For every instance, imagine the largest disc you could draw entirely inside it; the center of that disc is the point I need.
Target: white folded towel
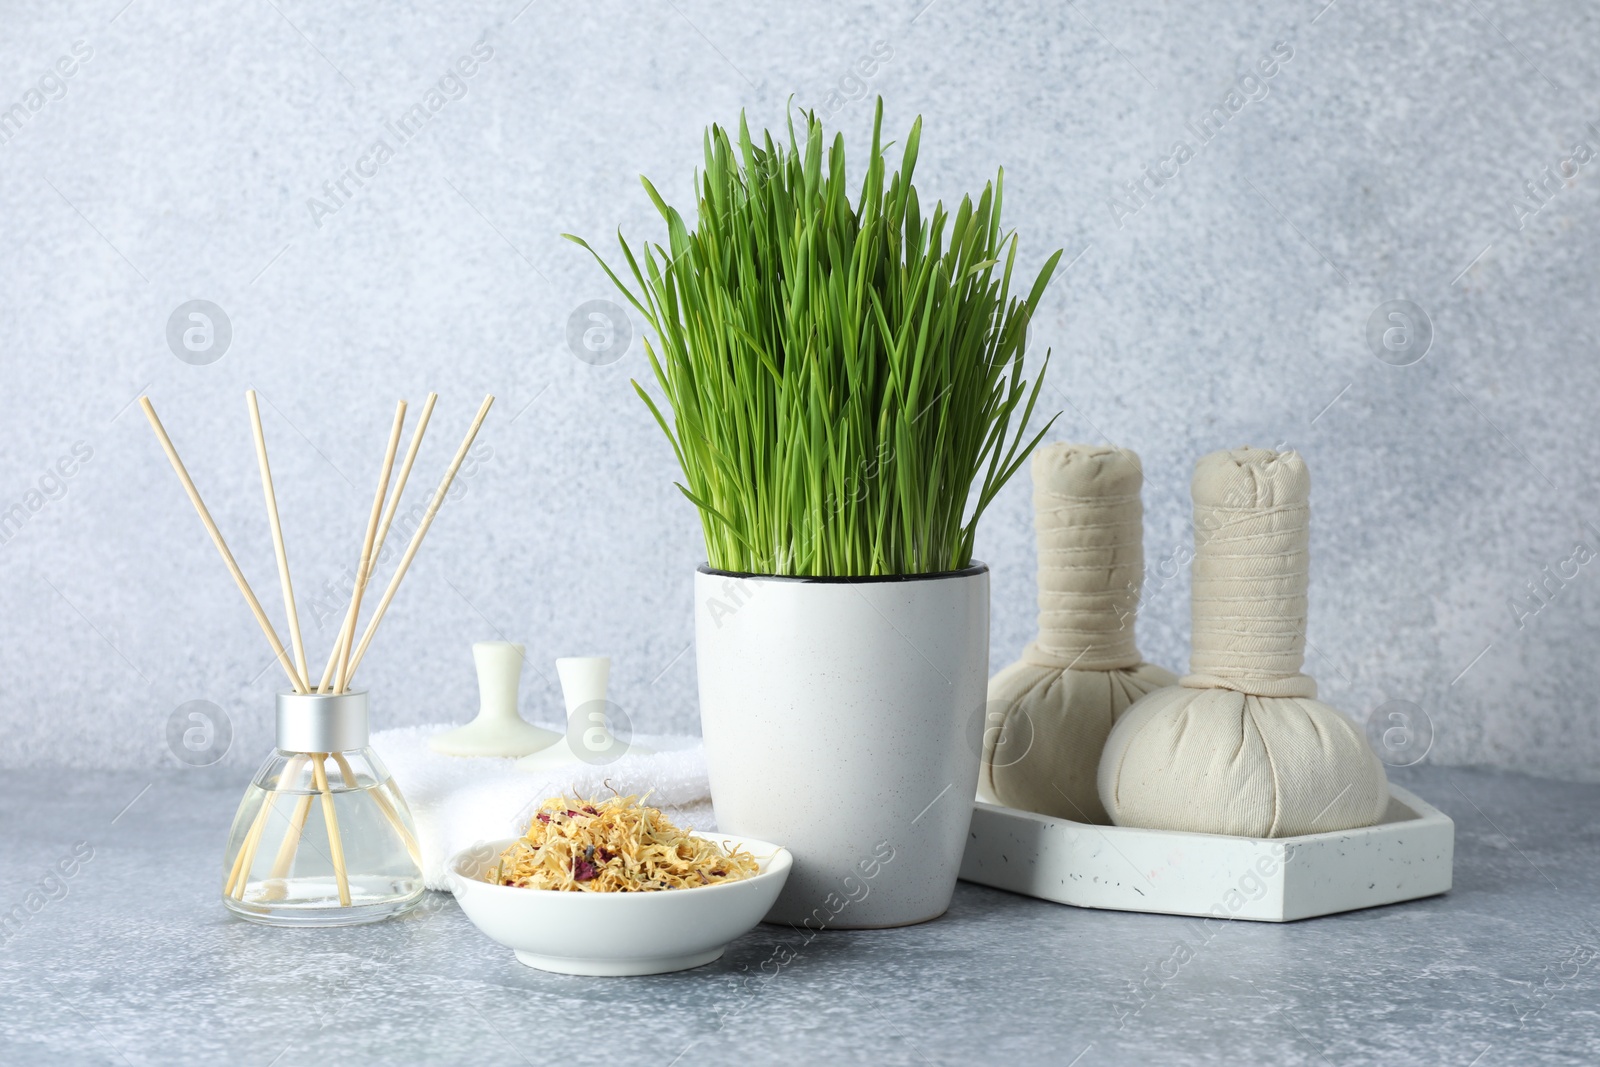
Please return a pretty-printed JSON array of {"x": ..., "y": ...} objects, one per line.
[{"x": 459, "y": 801}]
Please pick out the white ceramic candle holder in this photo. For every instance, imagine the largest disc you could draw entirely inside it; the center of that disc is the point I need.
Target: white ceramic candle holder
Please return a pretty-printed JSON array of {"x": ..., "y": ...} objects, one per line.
[
  {"x": 499, "y": 730},
  {"x": 588, "y": 738}
]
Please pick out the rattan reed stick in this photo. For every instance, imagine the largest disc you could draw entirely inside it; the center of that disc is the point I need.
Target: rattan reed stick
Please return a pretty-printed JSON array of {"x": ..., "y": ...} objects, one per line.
[
  {"x": 365, "y": 565},
  {"x": 345, "y": 638},
  {"x": 331, "y": 817},
  {"x": 245, "y": 861},
  {"x": 351, "y": 782},
  {"x": 405, "y": 473},
  {"x": 277, "y": 540},
  {"x": 222, "y": 546},
  {"x": 291, "y": 838},
  {"x": 422, "y": 530},
  {"x": 240, "y": 874}
]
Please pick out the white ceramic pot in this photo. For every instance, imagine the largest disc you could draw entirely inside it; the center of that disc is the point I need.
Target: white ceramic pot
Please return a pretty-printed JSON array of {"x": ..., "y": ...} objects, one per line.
[{"x": 843, "y": 720}]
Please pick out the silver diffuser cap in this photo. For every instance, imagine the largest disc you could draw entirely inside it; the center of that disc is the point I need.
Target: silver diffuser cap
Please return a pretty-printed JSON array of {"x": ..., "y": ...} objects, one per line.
[{"x": 322, "y": 722}]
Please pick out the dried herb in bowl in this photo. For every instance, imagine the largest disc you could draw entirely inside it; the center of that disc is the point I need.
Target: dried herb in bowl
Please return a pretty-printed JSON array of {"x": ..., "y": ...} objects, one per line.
[{"x": 617, "y": 845}]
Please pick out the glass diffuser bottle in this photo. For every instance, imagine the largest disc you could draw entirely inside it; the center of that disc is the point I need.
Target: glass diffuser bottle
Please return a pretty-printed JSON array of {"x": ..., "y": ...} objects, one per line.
[{"x": 323, "y": 836}]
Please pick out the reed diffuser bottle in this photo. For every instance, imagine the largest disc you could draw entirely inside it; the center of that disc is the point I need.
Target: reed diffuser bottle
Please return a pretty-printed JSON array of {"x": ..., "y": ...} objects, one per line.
[{"x": 323, "y": 836}]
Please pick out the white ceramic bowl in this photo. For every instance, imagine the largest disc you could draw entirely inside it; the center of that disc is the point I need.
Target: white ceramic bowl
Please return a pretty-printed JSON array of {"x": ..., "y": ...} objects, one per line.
[{"x": 617, "y": 933}]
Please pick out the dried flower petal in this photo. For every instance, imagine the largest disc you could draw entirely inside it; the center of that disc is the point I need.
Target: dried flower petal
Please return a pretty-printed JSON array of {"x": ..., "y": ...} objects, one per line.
[{"x": 563, "y": 852}]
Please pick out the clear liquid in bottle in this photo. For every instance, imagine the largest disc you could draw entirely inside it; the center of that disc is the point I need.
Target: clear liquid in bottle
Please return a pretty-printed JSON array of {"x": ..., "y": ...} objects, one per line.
[{"x": 322, "y": 839}]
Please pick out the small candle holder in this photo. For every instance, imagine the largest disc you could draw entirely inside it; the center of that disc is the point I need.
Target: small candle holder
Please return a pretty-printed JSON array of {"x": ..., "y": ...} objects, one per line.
[
  {"x": 499, "y": 729},
  {"x": 588, "y": 738},
  {"x": 323, "y": 836}
]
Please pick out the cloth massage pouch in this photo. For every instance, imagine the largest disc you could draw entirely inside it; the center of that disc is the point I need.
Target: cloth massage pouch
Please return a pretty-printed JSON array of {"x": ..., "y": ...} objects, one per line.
[
  {"x": 1241, "y": 746},
  {"x": 1049, "y": 713}
]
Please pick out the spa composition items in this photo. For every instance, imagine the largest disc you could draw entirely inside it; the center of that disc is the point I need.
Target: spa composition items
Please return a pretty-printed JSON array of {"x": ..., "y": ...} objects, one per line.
[
  {"x": 360, "y": 861},
  {"x": 616, "y": 844},
  {"x": 1049, "y": 713},
  {"x": 1241, "y": 746}
]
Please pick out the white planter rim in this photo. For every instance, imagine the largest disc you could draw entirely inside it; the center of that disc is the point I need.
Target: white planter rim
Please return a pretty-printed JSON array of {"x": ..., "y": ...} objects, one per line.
[{"x": 977, "y": 566}]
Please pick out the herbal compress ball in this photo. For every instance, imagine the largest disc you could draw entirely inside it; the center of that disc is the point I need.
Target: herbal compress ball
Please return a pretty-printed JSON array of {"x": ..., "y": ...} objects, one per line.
[
  {"x": 1049, "y": 713},
  {"x": 1240, "y": 746}
]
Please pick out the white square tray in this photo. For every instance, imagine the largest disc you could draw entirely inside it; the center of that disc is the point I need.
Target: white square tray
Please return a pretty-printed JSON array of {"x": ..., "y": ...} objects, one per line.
[{"x": 1406, "y": 856}]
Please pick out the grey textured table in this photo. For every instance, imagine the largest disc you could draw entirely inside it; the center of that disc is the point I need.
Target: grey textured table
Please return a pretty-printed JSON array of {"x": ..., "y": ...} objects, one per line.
[{"x": 132, "y": 960}]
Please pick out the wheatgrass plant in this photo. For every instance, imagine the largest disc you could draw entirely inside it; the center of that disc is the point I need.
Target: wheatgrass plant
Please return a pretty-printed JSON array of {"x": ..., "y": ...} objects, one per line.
[{"x": 840, "y": 375}]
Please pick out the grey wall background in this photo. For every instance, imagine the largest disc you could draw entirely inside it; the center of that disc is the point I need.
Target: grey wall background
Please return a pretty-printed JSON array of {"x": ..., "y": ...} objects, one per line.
[{"x": 1386, "y": 160}]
